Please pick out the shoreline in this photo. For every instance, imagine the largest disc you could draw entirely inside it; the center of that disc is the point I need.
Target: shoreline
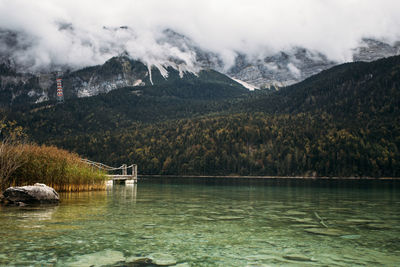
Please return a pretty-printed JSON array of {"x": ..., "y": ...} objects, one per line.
[{"x": 233, "y": 177}]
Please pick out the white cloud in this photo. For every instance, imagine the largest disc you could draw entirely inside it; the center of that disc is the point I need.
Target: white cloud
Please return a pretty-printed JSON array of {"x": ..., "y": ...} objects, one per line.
[{"x": 252, "y": 27}]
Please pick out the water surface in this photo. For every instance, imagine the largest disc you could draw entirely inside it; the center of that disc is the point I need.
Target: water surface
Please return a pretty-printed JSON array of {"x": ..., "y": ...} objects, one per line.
[{"x": 211, "y": 223}]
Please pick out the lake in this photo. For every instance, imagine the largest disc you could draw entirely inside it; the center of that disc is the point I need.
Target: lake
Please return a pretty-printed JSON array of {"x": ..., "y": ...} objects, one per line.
[{"x": 206, "y": 222}]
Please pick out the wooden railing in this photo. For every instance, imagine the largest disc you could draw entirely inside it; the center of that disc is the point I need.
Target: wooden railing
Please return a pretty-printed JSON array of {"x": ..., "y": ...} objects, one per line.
[{"x": 124, "y": 168}]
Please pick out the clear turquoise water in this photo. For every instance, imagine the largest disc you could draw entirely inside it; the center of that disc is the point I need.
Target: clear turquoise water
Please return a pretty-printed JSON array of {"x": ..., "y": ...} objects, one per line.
[{"x": 211, "y": 223}]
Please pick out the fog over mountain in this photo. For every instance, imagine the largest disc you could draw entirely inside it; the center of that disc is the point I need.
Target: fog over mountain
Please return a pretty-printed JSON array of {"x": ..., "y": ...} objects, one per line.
[{"x": 242, "y": 38}]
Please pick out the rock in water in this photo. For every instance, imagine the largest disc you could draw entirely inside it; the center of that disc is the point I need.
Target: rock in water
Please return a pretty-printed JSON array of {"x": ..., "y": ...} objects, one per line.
[
  {"x": 162, "y": 259},
  {"x": 97, "y": 259},
  {"x": 138, "y": 261},
  {"x": 155, "y": 259},
  {"x": 32, "y": 194}
]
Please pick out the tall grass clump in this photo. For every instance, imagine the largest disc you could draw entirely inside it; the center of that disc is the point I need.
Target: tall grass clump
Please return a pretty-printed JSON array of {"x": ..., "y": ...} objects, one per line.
[{"x": 54, "y": 167}]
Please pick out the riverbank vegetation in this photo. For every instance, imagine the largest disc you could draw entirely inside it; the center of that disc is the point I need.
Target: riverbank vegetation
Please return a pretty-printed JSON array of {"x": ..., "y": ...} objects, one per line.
[
  {"x": 49, "y": 165},
  {"x": 26, "y": 164}
]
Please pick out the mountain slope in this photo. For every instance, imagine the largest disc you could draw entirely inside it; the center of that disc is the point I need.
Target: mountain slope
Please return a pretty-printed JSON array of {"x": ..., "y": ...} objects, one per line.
[
  {"x": 169, "y": 98},
  {"x": 118, "y": 72},
  {"x": 351, "y": 92}
]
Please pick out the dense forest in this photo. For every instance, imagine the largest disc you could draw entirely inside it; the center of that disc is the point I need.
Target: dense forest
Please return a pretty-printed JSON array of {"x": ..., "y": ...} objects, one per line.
[
  {"x": 246, "y": 144},
  {"x": 342, "y": 122}
]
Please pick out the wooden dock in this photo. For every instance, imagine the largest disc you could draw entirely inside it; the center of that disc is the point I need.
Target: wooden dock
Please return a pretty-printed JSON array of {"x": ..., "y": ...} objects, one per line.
[
  {"x": 120, "y": 179},
  {"x": 123, "y": 178}
]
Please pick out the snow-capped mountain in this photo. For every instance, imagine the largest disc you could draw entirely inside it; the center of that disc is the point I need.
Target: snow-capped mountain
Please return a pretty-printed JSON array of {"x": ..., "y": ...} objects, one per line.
[
  {"x": 176, "y": 57},
  {"x": 117, "y": 72},
  {"x": 280, "y": 69},
  {"x": 294, "y": 65}
]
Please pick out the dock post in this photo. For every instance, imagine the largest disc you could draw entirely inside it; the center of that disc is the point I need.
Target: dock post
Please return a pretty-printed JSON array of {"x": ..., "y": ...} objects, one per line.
[
  {"x": 134, "y": 171},
  {"x": 133, "y": 179},
  {"x": 124, "y": 170}
]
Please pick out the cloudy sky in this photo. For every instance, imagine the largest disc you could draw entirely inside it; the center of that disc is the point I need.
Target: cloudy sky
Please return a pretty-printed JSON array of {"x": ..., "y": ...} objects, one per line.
[{"x": 86, "y": 32}]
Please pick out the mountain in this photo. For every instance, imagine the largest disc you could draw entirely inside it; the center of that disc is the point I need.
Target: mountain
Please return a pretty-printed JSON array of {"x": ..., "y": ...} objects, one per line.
[
  {"x": 371, "y": 49},
  {"x": 280, "y": 69},
  {"x": 296, "y": 64},
  {"x": 344, "y": 121},
  {"x": 179, "y": 52},
  {"x": 105, "y": 108},
  {"x": 352, "y": 92},
  {"x": 118, "y": 72}
]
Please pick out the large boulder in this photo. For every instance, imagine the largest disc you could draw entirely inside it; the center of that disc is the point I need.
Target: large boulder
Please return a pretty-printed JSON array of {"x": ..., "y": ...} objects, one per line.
[{"x": 32, "y": 194}]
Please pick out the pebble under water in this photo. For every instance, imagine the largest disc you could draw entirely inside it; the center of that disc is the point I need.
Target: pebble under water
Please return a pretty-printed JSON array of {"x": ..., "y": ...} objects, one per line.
[{"x": 210, "y": 223}]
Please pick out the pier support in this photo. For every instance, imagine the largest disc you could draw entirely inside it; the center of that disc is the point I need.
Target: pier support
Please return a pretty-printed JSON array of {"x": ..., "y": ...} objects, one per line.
[{"x": 134, "y": 171}]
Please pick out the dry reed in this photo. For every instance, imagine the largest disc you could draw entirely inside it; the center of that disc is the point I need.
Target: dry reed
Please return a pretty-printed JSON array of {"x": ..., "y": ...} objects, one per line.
[{"x": 57, "y": 168}]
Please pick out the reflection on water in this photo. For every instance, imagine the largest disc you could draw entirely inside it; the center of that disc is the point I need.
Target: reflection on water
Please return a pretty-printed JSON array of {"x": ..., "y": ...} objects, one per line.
[
  {"x": 127, "y": 192},
  {"x": 211, "y": 223}
]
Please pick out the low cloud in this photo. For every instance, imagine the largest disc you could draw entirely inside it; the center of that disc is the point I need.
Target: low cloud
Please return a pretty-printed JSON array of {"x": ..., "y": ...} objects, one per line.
[{"x": 82, "y": 33}]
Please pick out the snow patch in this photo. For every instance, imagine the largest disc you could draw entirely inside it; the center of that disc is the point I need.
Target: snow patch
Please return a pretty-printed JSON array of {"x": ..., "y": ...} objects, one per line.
[
  {"x": 44, "y": 97},
  {"x": 245, "y": 84},
  {"x": 138, "y": 83},
  {"x": 271, "y": 66},
  {"x": 150, "y": 77},
  {"x": 184, "y": 68},
  {"x": 85, "y": 92},
  {"x": 181, "y": 71},
  {"x": 162, "y": 70},
  {"x": 41, "y": 97},
  {"x": 31, "y": 93},
  {"x": 294, "y": 70}
]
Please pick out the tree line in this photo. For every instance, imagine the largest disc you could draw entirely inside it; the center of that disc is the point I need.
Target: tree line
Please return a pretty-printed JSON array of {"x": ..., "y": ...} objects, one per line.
[{"x": 247, "y": 144}]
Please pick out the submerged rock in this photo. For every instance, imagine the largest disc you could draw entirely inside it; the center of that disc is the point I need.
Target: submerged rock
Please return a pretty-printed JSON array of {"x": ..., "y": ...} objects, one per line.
[
  {"x": 37, "y": 193},
  {"x": 204, "y": 218},
  {"x": 377, "y": 226},
  {"x": 229, "y": 218},
  {"x": 305, "y": 225},
  {"x": 155, "y": 259},
  {"x": 326, "y": 231},
  {"x": 350, "y": 236},
  {"x": 295, "y": 213},
  {"x": 162, "y": 259},
  {"x": 361, "y": 221},
  {"x": 106, "y": 257},
  {"x": 297, "y": 257},
  {"x": 147, "y": 237},
  {"x": 138, "y": 261}
]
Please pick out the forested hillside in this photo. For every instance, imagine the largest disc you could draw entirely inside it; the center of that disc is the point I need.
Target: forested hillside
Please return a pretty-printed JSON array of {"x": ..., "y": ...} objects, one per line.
[
  {"x": 118, "y": 109},
  {"x": 246, "y": 144},
  {"x": 342, "y": 122},
  {"x": 351, "y": 92}
]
